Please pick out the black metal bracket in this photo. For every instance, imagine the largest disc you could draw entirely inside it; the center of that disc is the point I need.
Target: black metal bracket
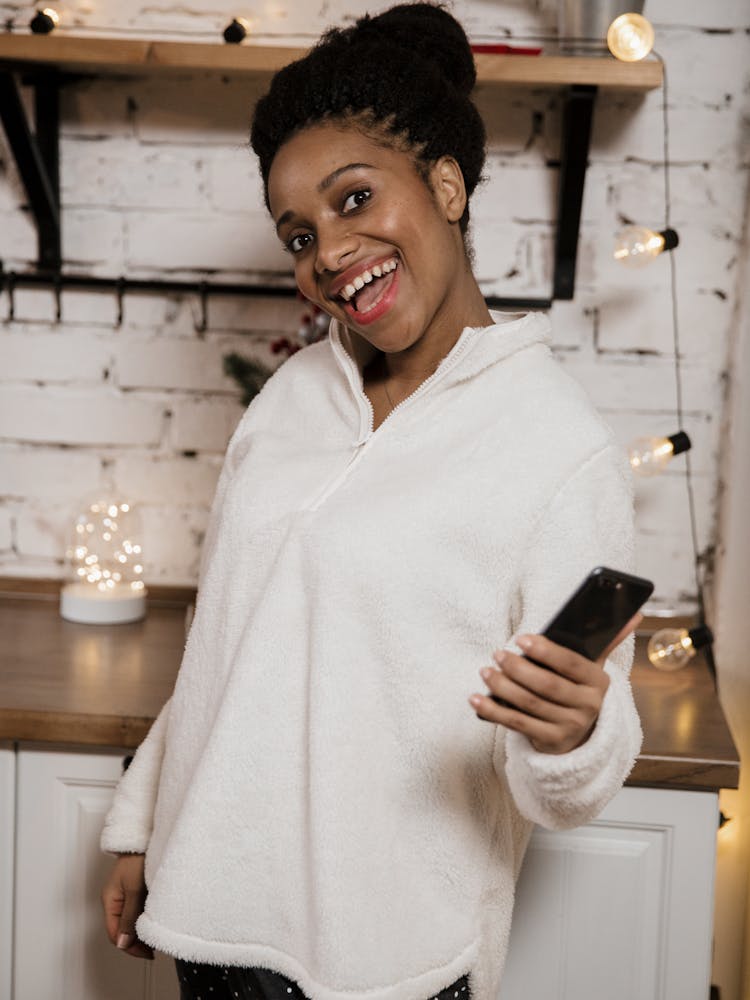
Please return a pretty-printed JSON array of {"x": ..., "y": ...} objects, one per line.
[
  {"x": 37, "y": 157},
  {"x": 578, "y": 112},
  {"x": 59, "y": 280}
]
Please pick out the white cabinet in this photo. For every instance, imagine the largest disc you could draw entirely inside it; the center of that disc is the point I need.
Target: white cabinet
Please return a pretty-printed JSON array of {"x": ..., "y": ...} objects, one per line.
[
  {"x": 7, "y": 832},
  {"x": 60, "y": 948},
  {"x": 621, "y": 908}
]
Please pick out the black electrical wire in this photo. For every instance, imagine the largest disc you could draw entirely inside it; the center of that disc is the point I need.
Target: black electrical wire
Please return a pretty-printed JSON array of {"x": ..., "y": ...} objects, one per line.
[{"x": 699, "y": 582}]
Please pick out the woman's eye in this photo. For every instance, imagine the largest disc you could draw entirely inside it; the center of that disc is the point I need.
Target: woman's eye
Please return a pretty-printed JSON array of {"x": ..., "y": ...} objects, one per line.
[
  {"x": 357, "y": 199},
  {"x": 298, "y": 243}
]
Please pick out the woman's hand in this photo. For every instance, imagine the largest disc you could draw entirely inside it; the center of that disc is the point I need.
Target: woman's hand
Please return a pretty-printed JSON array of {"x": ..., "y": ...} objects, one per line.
[
  {"x": 123, "y": 898},
  {"x": 556, "y": 709}
]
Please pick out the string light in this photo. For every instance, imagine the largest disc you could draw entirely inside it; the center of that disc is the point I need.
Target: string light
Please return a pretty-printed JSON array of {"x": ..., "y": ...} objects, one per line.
[
  {"x": 237, "y": 30},
  {"x": 630, "y": 37},
  {"x": 44, "y": 21},
  {"x": 650, "y": 455},
  {"x": 637, "y": 246},
  {"x": 677, "y": 353},
  {"x": 674, "y": 648}
]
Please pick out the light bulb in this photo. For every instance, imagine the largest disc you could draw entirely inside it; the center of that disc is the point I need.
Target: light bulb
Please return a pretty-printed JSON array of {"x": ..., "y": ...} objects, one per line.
[
  {"x": 237, "y": 30},
  {"x": 637, "y": 246},
  {"x": 630, "y": 37},
  {"x": 673, "y": 648},
  {"x": 649, "y": 455},
  {"x": 44, "y": 21}
]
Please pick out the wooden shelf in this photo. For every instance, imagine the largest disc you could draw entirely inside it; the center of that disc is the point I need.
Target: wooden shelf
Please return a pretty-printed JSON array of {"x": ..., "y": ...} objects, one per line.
[{"x": 133, "y": 57}]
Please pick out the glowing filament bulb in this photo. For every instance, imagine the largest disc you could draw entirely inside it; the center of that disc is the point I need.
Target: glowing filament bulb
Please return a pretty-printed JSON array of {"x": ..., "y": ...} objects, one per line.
[
  {"x": 637, "y": 246},
  {"x": 673, "y": 648},
  {"x": 630, "y": 37},
  {"x": 44, "y": 21},
  {"x": 649, "y": 455},
  {"x": 237, "y": 30}
]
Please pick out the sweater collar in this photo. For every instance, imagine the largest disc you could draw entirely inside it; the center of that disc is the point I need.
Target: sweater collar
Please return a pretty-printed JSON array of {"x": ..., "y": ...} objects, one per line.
[{"x": 477, "y": 348}]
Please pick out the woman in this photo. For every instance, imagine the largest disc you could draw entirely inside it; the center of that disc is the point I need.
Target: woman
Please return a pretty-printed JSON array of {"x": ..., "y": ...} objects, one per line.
[{"x": 321, "y": 811}]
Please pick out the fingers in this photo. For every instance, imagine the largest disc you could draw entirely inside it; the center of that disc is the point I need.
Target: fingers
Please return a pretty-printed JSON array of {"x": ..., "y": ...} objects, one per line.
[
  {"x": 555, "y": 708},
  {"x": 530, "y": 688},
  {"x": 562, "y": 661},
  {"x": 127, "y": 939},
  {"x": 631, "y": 626},
  {"x": 123, "y": 899},
  {"x": 112, "y": 900},
  {"x": 546, "y": 737}
]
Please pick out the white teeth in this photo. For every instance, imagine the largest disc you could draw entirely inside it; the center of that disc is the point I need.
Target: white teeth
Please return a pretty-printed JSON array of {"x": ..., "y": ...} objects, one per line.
[{"x": 365, "y": 278}]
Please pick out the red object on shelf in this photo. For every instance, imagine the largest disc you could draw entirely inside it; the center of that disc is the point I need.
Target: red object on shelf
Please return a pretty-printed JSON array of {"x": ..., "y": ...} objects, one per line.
[{"x": 501, "y": 49}]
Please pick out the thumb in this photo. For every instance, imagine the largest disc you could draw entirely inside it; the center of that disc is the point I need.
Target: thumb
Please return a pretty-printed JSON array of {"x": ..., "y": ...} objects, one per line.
[
  {"x": 127, "y": 939},
  {"x": 624, "y": 632}
]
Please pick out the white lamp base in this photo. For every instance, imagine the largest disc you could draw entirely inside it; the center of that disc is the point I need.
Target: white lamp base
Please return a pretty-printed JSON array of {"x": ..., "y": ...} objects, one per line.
[{"x": 79, "y": 602}]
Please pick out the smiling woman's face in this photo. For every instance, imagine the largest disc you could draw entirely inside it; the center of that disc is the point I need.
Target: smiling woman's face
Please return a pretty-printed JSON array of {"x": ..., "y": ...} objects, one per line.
[{"x": 371, "y": 242}]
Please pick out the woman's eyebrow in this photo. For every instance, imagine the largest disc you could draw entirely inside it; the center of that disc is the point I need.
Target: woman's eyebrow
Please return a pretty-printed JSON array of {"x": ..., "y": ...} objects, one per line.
[
  {"x": 324, "y": 185},
  {"x": 335, "y": 174}
]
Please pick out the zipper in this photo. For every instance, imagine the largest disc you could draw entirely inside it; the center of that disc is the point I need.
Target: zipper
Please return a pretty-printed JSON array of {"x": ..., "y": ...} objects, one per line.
[
  {"x": 354, "y": 378},
  {"x": 339, "y": 478},
  {"x": 449, "y": 362}
]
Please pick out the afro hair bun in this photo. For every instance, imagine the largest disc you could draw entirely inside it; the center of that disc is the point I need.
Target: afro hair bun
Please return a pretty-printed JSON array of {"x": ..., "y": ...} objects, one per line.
[
  {"x": 429, "y": 31},
  {"x": 408, "y": 72}
]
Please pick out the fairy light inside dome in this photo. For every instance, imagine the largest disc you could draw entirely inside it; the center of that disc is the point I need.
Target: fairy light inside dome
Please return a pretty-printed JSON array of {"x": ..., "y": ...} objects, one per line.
[
  {"x": 105, "y": 554},
  {"x": 106, "y": 558}
]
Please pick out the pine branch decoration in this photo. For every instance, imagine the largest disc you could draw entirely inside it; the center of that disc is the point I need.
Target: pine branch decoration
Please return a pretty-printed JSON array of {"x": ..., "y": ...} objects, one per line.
[{"x": 250, "y": 375}]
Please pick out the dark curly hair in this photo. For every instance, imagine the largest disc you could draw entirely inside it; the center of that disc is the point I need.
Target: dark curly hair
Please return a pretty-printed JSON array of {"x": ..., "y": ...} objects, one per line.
[{"x": 403, "y": 77}]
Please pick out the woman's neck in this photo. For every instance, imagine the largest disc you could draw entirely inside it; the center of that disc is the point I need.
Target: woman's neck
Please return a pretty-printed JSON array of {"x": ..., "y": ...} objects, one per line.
[{"x": 411, "y": 367}]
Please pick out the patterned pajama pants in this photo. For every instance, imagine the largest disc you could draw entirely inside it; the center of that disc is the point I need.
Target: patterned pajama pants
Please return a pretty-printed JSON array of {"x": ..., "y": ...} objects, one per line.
[{"x": 227, "y": 982}]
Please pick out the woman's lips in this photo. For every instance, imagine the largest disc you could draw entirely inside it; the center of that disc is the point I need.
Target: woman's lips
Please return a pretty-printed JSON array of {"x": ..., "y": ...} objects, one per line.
[{"x": 382, "y": 304}]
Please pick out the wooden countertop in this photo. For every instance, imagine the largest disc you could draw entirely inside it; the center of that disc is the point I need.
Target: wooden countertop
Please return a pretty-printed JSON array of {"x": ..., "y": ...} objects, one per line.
[{"x": 102, "y": 686}]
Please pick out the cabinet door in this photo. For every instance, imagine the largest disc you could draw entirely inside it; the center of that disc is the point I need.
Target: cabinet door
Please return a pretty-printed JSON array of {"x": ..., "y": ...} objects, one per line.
[
  {"x": 621, "y": 908},
  {"x": 61, "y": 949},
  {"x": 7, "y": 827}
]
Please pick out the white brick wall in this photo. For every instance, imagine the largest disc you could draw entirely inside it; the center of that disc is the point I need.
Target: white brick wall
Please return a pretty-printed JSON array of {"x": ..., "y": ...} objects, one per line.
[{"x": 157, "y": 180}]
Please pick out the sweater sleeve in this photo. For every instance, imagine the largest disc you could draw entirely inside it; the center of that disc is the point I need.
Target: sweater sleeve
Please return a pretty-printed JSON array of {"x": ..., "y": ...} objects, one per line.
[
  {"x": 589, "y": 523},
  {"x": 127, "y": 827},
  {"x": 128, "y": 824}
]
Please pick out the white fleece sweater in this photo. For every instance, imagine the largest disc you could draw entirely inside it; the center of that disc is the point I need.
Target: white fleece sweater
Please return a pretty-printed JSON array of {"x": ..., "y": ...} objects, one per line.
[{"x": 318, "y": 797}]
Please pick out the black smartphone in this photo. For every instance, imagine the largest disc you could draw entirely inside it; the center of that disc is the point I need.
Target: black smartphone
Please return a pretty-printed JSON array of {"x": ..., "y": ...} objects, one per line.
[{"x": 603, "y": 604}]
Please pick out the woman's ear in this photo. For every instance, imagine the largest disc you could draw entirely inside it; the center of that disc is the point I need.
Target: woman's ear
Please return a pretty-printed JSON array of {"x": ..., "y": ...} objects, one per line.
[{"x": 448, "y": 185}]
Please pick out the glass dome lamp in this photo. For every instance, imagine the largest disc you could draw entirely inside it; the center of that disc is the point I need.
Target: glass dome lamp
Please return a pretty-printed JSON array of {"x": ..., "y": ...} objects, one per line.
[{"x": 106, "y": 559}]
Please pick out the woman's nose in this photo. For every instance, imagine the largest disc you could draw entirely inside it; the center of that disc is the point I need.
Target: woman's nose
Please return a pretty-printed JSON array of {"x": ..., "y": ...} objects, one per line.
[{"x": 333, "y": 246}]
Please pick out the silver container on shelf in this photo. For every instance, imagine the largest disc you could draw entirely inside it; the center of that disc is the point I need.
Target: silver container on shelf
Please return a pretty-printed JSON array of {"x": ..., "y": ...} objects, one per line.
[{"x": 582, "y": 24}]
